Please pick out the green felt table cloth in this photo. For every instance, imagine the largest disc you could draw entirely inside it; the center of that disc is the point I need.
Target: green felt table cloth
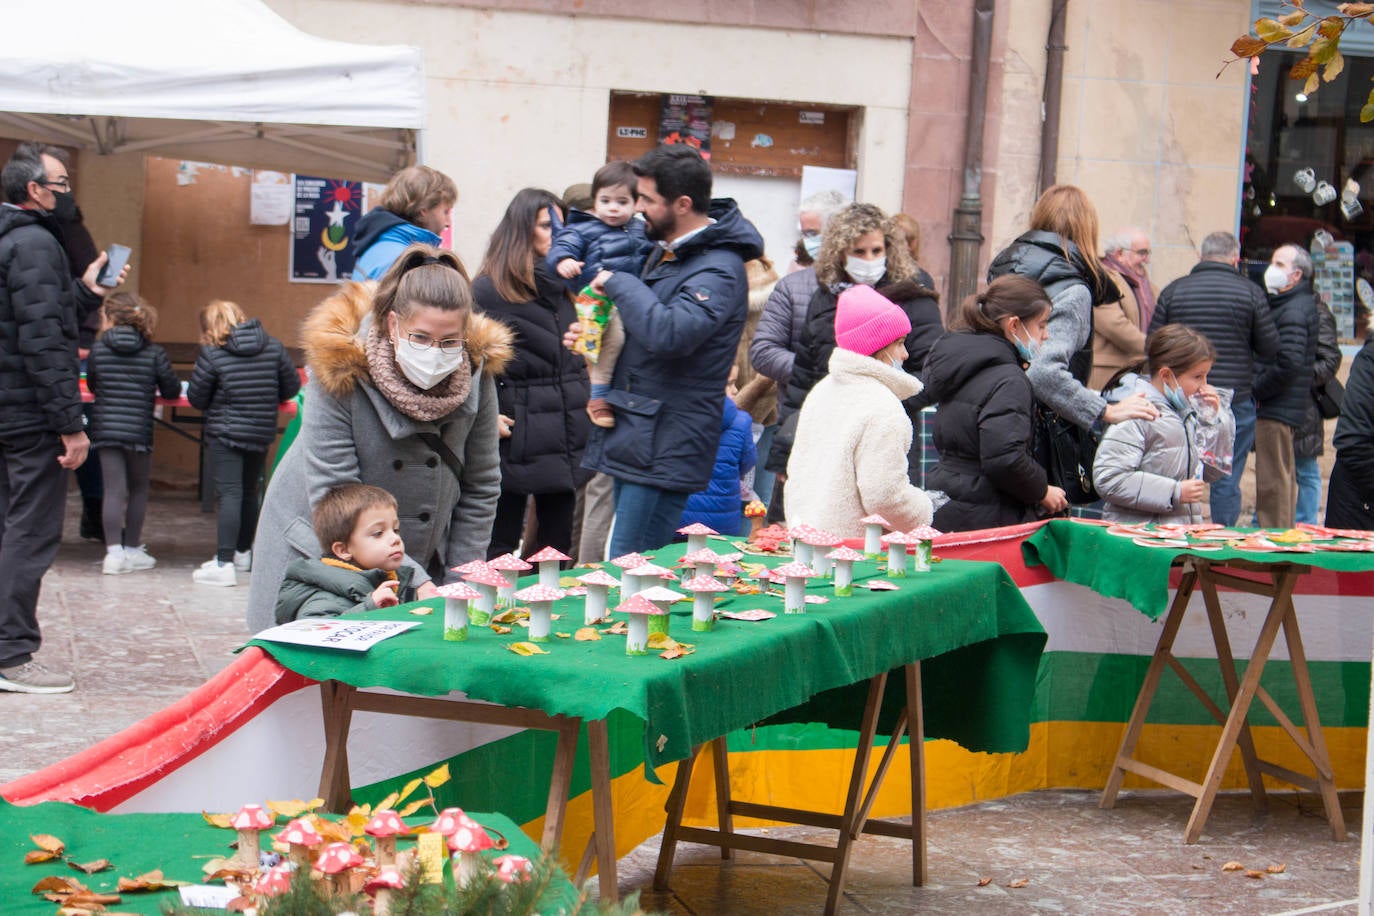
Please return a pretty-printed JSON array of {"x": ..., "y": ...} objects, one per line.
[
  {"x": 178, "y": 844},
  {"x": 979, "y": 641},
  {"x": 1117, "y": 567}
]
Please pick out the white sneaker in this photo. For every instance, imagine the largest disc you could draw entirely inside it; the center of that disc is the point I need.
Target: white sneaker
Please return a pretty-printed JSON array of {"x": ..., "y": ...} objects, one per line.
[
  {"x": 212, "y": 572},
  {"x": 139, "y": 558},
  {"x": 116, "y": 563},
  {"x": 243, "y": 560}
]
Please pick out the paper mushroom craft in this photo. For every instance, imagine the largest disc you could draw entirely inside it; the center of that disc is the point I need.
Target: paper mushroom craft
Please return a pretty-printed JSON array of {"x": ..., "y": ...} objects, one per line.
[
  {"x": 274, "y": 881},
  {"x": 700, "y": 563},
  {"x": 844, "y": 559},
  {"x": 549, "y": 560},
  {"x": 794, "y": 574},
  {"x": 458, "y": 596},
  {"x": 467, "y": 843},
  {"x": 510, "y": 566},
  {"x": 486, "y": 580},
  {"x": 802, "y": 550},
  {"x": 703, "y": 589},
  {"x": 663, "y": 598},
  {"x": 874, "y": 526},
  {"x": 640, "y": 610},
  {"x": 300, "y": 836},
  {"x": 540, "y": 599},
  {"x": 513, "y": 869},
  {"x": 728, "y": 571},
  {"x": 821, "y": 542},
  {"x": 599, "y": 585},
  {"x": 629, "y": 584},
  {"x": 449, "y": 820},
  {"x": 387, "y": 880},
  {"x": 923, "y": 537},
  {"x": 386, "y": 825},
  {"x": 696, "y": 533},
  {"x": 896, "y": 553},
  {"x": 470, "y": 566},
  {"x": 641, "y": 577},
  {"x": 335, "y": 862},
  {"x": 250, "y": 822}
]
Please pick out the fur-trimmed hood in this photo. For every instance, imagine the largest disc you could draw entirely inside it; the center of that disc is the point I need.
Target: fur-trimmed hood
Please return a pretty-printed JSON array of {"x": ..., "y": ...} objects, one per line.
[{"x": 334, "y": 349}]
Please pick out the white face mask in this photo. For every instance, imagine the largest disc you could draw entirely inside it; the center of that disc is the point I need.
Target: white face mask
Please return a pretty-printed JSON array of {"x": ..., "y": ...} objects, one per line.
[
  {"x": 812, "y": 244},
  {"x": 1275, "y": 278},
  {"x": 865, "y": 272},
  {"x": 426, "y": 368}
]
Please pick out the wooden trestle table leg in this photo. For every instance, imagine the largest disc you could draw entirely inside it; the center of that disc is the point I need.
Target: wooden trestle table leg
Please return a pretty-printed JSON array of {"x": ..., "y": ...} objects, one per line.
[
  {"x": 559, "y": 784},
  {"x": 677, "y": 800},
  {"x": 335, "y": 786},
  {"x": 603, "y": 813},
  {"x": 720, "y": 757},
  {"x": 853, "y": 798},
  {"x": 1316, "y": 750}
]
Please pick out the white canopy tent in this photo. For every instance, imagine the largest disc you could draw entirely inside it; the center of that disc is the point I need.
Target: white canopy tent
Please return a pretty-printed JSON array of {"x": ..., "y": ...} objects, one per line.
[{"x": 223, "y": 80}]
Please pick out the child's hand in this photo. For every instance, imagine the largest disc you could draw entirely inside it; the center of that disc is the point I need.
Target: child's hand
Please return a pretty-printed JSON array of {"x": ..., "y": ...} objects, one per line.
[
  {"x": 1135, "y": 407},
  {"x": 1192, "y": 491},
  {"x": 1055, "y": 500},
  {"x": 572, "y": 335},
  {"x": 1209, "y": 397},
  {"x": 385, "y": 595},
  {"x": 568, "y": 268},
  {"x": 598, "y": 283}
]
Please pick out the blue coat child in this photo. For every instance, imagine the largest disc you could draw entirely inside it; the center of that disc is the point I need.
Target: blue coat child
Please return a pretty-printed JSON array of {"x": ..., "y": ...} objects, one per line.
[
  {"x": 719, "y": 505},
  {"x": 598, "y": 246}
]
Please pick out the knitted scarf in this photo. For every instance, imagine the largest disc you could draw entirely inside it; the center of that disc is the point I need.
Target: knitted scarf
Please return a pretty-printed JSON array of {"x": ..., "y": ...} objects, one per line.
[{"x": 416, "y": 403}]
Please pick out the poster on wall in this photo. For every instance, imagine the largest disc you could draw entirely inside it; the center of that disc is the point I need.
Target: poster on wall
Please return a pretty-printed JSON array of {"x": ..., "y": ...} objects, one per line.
[
  {"x": 270, "y": 199},
  {"x": 1333, "y": 279},
  {"x": 326, "y": 211},
  {"x": 686, "y": 119}
]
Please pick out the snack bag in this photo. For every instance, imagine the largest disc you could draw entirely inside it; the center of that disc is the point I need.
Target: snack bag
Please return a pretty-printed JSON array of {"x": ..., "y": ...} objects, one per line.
[
  {"x": 1215, "y": 437},
  {"x": 593, "y": 313}
]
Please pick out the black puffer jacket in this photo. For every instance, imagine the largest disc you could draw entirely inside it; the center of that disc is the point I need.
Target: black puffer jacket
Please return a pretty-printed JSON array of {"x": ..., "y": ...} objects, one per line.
[
  {"x": 40, "y": 310},
  {"x": 239, "y": 386},
  {"x": 1310, "y": 439},
  {"x": 1283, "y": 386},
  {"x": 1231, "y": 311},
  {"x": 922, "y": 308},
  {"x": 544, "y": 389},
  {"x": 983, "y": 433},
  {"x": 1350, "y": 500},
  {"x": 125, "y": 371}
]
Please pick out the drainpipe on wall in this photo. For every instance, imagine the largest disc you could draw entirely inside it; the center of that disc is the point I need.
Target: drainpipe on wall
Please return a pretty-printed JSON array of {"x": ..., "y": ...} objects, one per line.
[
  {"x": 966, "y": 236},
  {"x": 1054, "y": 93}
]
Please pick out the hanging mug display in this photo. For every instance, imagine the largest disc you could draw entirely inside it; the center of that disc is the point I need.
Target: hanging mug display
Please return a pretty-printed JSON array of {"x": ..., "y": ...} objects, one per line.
[
  {"x": 1324, "y": 194},
  {"x": 1323, "y": 239},
  {"x": 1305, "y": 179},
  {"x": 1350, "y": 199}
]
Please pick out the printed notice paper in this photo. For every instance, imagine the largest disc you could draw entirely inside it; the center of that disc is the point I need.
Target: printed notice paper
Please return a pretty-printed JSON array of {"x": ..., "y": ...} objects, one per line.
[{"x": 352, "y": 634}]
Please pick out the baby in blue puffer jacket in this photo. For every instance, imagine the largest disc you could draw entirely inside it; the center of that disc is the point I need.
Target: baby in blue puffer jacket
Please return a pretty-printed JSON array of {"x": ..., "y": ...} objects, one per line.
[{"x": 607, "y": 238}]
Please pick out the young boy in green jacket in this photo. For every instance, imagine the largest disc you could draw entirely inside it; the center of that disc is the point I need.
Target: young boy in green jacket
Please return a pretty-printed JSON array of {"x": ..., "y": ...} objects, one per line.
[{"x": 361, "y": 568}]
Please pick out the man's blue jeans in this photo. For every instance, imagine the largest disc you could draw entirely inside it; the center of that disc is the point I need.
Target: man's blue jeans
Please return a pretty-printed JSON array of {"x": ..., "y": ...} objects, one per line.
[
  {"x": 1309, "y": 490},
  {"x": 1225, "y": 493},
  {"x": 645, "y": 517}
]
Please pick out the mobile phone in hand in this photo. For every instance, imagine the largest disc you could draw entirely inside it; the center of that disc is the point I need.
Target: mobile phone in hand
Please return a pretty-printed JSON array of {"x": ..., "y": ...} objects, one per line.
[{"x": 116, "y": 258}]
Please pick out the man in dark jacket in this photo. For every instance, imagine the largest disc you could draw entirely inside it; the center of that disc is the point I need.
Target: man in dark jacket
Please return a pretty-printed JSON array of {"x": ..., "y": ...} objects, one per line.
[
  {"x": 1309, "y": 442},
  {"x": 1283, "y": 385},
  {"x": 1233, "y": 313},
  {"x": 41, "y": 427},
  {"x": 683, "y": 321}
]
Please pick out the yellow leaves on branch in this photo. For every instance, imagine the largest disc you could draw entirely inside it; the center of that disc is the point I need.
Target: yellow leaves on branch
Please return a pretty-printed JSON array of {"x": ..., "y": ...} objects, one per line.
[{"x": 1323, "y": 62}]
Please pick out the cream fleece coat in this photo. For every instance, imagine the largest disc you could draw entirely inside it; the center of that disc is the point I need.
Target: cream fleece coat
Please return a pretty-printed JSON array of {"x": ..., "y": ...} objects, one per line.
[{"x": 850, "y": 455}]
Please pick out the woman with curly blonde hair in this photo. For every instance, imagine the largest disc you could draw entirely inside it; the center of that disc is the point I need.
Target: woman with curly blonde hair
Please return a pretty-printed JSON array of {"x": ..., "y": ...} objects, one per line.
[{"x": 863, "y": 246}]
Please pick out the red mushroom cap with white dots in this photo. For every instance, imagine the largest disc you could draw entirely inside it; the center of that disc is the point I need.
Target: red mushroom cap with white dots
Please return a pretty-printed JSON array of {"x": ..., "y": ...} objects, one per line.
[
  {"x": 389, "y": 877},
  {"x": 338, "y": 857},
  {"x": 470, "y": 566},
  {"x": 252, "y": 817},
  {"x": 469, "y": 837},
  {"x": 638, "y": 604},
  {"x": 630, "y": 560},
  {"x": 458, "y": 591},
  {"x": 511, "y": 869},
  {"x": 697, "y": 528},
  {"x": 386, "y": 822},
  {"x": 548, "y": 554},
  {"x": 300, "y": 832},
  {"x": 448, "y": 821},
  {"x": 844, "y": 553},
  {"x": 875, "y": 519},
  {"x": 540, "y": 593},
  {"x": 704, "y": 584},
  {"x": 487, "y": 576},
  {"x": 924, "y": 533},
  {"x": 598, "y": 577},
  {"x": 274, "y": 881},
  {"x": 659, "y": 593},
  {"x": 795, "y": 570},
  {"x": 509, "y": 561}
]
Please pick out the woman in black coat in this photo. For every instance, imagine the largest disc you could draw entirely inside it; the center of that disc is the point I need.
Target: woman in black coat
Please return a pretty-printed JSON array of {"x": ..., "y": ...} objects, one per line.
[
  {"x": 862, "y": 246},
  {"x": 1350, "y": 498},
  {"x": 543, "y": 393},
  {"x": 983, "y": 431}
]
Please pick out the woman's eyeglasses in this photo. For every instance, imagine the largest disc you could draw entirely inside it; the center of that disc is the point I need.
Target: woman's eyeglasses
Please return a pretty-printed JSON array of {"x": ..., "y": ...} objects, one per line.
[{"x": 424, "y": 342}]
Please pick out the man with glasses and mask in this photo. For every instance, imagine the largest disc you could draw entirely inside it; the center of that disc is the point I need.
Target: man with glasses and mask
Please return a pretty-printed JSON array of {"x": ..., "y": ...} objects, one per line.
[
  {"x": 41, "y": 428},
  {"x": 1128, "y": 253}
]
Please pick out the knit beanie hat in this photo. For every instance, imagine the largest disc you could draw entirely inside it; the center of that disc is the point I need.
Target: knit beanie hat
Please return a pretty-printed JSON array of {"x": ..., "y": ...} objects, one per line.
[{"x": 866, "y": 320}]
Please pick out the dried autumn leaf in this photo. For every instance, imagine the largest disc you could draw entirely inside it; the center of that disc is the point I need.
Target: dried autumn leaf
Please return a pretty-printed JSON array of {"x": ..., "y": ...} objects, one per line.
[
  {"x": 1334, "y": 67},
  {"x": 1302, "y": 37},
  {"x": 1252, "y": 873},
  {"x": 48, "y": 842},
  {"x": 217, "y": 820},
  {"x": 527, "y": 649},
  {"x": 91, "y": 900},
  {"x": 294, "y": 808},
  {"x": 563, "y": 635},
  {"x": 661, "y": 641},
  {"x": 148, "y": 881},
  {"x": 59, "y": 885},
  {"x": 1019, "y": 882},
  {"x": 984, "y": 882},
  {"x": 91, "y": 868},
  {"x": 1277, "y": 869},
  {"x": 437, "y": 778},
  {"x": 587, "y": 634},
  {"x": 217, "y": 864},
  {"x": 235, "y": 874},
  {"x": 333, "y": 831},
  {"x": 677, "y": 651},
  {"x": 35, "y": 856},
  {"x": 1322, "y": 50},
  {"x": 1303, "y": 69},
  {"x": 423, "y": 610},
  {"x": 390, "y": 801},
  {"x": 1355, "y": 9},
  {"x": 619, "y": 628},
  {"x": 1294, "y": 18},
  {"x": 506, "y": 617},
  {"x": 499, "y": 630},
  {"x": 1331, "y": 27},
  {"x": 409, "y": 788},
  {"x": 1232, "y": 866},
  {"x": 414, "y": 806},
  {"x": 1313, "y": 82},
  {"x": 1248, "y": 46}
]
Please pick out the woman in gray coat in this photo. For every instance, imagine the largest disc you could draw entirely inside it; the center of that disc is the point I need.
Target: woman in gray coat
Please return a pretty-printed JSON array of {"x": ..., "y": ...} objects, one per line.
[{"x": 402, "y": 397}]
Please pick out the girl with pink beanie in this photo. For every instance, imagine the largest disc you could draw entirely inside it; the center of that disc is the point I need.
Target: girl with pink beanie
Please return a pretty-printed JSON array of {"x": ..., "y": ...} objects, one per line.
[{"x": 849, "y": 459}]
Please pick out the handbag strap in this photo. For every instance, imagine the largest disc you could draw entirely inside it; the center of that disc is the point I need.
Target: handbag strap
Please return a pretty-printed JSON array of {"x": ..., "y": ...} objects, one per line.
[{"x": 444, "y": 452}]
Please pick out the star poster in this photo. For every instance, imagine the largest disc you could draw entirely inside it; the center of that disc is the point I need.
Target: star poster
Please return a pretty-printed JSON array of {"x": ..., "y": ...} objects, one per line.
[{"x": 326, "y": 213}]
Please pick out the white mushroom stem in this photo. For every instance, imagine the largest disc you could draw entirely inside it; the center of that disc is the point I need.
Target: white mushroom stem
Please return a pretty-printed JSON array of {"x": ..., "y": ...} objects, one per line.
[
  {"x": 595, "y": 608},
  {"x": 339, "y": 884},
  {"x": 637, "y": 640},
  {"x": 386, "y": 850},
  {"x": 629, "y": 585},
  {"x": 844, "y": 575},
  {"x": 896, "y": 559},
  {"x": 299, "y": 854},
  {"x": 696, "y": 542},
  {"x": 820, "y": 562},
  {"x": 455, "y": 618},
  {"x": 794, "y": 596},
  {"x": 541, "y": 620},
  {"x": 469, "y": 868},
  {"x": 249, "y": 847},
  {"x": 486, "y": 604},
  {"x": 548, "y": 573},
  {"x": 381, "y": 904},
  {"x": 873, "y": 540},
  {"x": 922, "y": 556},
  {"x": 802, "y": 552},
  {"x": 703, "y": 610}
]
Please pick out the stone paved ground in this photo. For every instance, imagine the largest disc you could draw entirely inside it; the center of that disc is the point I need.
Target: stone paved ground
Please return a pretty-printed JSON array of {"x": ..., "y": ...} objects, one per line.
[{"x": 138, "y": 642}]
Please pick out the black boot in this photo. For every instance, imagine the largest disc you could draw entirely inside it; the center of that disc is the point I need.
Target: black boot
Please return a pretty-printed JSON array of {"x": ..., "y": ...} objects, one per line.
[{"x": 92, "y": 523}]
